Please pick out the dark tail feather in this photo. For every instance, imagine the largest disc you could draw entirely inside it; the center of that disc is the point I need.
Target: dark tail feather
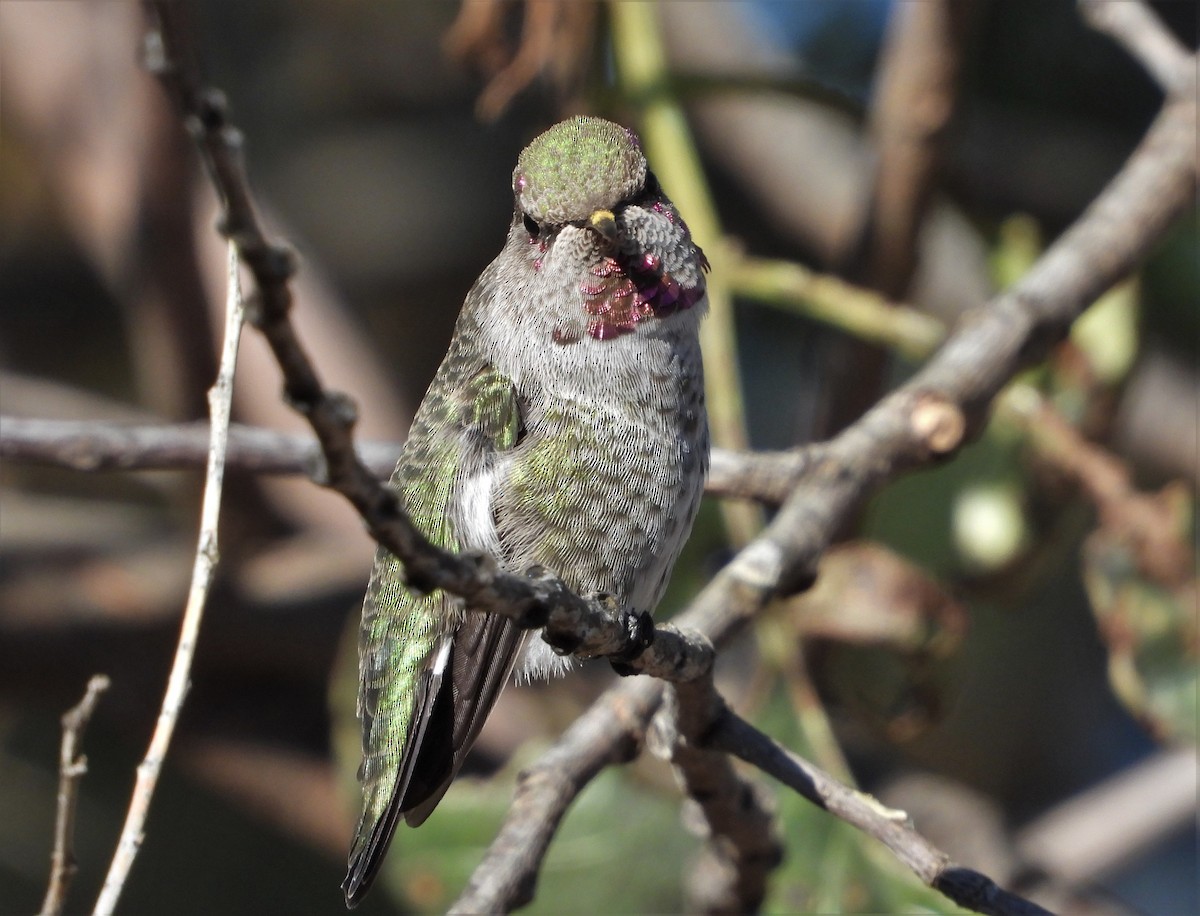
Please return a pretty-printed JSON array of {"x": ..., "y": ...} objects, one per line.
[
  {"x": 422, "y": 749},
  {"x": 451, "y": 708},
  {"x": 485, "y": 648},
  {"x": 367, "y": 856}
]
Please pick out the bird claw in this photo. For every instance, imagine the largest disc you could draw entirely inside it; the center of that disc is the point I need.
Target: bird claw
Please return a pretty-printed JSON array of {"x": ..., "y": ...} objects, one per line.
[{"x": 639, "y": 629}]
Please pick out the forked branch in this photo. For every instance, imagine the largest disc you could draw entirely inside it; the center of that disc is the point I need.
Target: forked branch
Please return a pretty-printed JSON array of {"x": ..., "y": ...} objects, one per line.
[{"x": 72, "y": 766}]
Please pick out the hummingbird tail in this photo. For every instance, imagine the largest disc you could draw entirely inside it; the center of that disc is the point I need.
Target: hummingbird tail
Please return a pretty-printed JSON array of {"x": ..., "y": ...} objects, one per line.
[
  {"x": 453, "y": 700},
  {"x": 367, "y": 855},
  {"x": 373, "y": 836}
]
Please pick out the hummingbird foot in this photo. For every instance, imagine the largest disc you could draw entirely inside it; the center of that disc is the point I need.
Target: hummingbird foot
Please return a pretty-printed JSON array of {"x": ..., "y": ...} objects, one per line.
[{"x": 639, "y": 630}]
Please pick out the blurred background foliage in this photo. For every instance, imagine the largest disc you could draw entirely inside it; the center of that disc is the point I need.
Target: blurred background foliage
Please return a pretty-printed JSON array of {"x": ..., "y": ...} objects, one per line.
[{"x": 999, "y": 638}]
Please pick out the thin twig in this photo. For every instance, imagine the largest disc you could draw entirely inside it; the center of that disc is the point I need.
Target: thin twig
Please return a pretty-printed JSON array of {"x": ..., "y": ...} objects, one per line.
[
  {"x": 220, "y": 399},
  {"x": 99, "y": 445},
  {"x": 965, "y": 887},
  {"x": 857, "y": 310},
  {"x": 1146, "y": 38},
  {"x": 1148, "y": 522},
  {"x": 1116, "y": 821},
  {"x": 71, "y": 769}
]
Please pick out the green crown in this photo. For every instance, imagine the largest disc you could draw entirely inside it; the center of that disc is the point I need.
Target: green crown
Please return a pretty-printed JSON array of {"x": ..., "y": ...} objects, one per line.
[{"x": 577, "y": 167}]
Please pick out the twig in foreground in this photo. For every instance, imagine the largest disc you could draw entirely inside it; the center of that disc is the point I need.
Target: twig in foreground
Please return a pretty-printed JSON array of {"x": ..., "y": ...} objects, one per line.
[
  {"x": 962, "y": 885},
  {"x": 611, "y": 731},
  {"x": 220, "y": 399},
  {"x": 71, "y": 767}
]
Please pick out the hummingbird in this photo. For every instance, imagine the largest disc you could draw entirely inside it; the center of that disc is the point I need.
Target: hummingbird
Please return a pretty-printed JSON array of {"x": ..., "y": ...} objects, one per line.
[{"x": 565, "y": 429}]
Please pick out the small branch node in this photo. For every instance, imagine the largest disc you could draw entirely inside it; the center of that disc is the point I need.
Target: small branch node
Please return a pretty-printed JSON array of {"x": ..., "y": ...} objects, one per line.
[
  {"x": 211, "y": 107},
  {"x": 342, "y": 409},
  {"x": 420, "y": 580},
  {"x": 255, "y": 311},
  {"x": 154, "y": 55},
  {"x": 280, "y": 262},
  {"x": 482, "y": 565},
  {"x": 938, "y": 423}
]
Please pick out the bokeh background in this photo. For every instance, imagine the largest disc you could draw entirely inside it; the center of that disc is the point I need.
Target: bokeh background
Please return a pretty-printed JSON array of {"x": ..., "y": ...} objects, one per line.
[{"x": 381, "y": 139}]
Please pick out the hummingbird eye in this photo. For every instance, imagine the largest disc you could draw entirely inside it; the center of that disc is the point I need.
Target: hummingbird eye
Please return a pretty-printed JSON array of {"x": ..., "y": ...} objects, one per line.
[{"x": 531, "y": 226}]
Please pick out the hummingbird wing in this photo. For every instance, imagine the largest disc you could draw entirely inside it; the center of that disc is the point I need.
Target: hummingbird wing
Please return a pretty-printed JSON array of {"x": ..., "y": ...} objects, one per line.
[{"x": 430, "y": 674}]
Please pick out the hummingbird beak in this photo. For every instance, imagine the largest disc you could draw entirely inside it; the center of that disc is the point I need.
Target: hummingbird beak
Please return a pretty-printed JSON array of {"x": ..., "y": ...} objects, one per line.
[{"x": 605, "y": 225}]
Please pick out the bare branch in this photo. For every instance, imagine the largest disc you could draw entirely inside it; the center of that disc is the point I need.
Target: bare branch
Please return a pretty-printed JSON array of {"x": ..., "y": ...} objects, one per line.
[
  {"x": 220, "y": 399},
  {"x": 743, "y": 844},
  {"x": 915, "y": 97},
  {"x": 962, "y": 885},
  {"x": 91, "y": 445},
  {"x": 990, "y": 345},
  {"x": 764, "y": 476},
  {"x": 554, "y": 41},
  {"x": 97, "y": 445},
  {"x": 71, "y": 769},
  {"x": 1135, "y": 26},
  {"x": 824, "y": 297},
  {"x": 1147, "y": 521},
  {"x": 1114, "y": 822},
  {"x": 611, "y": 731}
]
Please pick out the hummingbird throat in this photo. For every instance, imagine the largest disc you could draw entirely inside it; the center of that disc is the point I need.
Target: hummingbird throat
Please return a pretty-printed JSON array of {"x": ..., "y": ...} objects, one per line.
[{"x": 625, "y": 289}]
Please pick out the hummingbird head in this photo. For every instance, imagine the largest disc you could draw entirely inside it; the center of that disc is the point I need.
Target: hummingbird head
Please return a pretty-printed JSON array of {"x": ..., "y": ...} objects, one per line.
[{"x": 592, "y": 215}]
